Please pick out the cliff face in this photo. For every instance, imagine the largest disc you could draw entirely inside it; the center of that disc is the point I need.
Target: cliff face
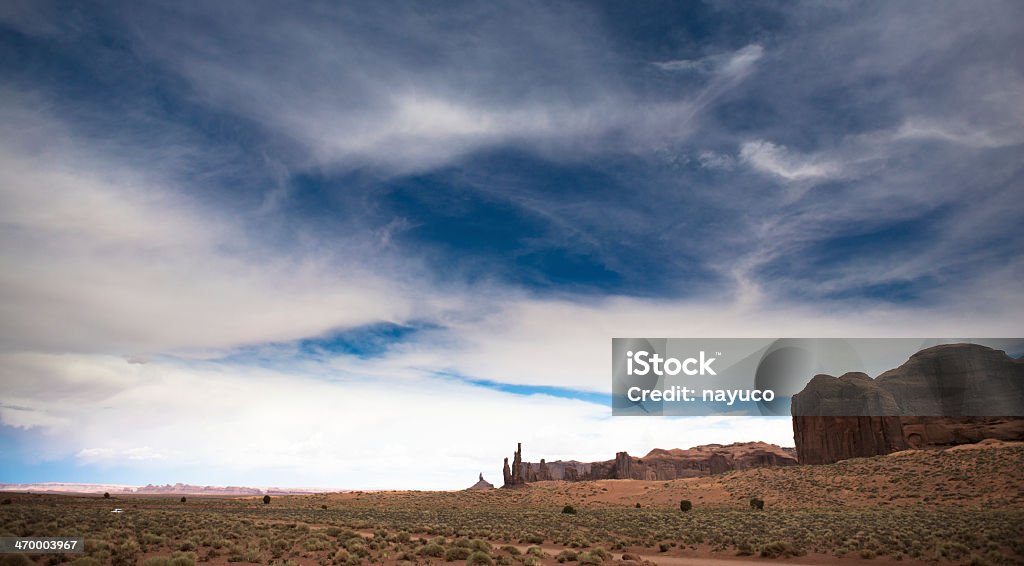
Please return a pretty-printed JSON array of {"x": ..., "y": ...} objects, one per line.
[
  {"x": 974, "y": 382},
  {"x": 823, "y": 440},
  {"x": 665, "y": 465}
]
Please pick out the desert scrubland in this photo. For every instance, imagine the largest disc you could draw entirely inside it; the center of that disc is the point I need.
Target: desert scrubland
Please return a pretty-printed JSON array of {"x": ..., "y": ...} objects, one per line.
[{"x": 963, "y": 505}]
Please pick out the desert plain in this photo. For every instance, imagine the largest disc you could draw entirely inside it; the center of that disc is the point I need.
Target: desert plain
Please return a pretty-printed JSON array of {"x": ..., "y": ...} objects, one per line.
[{"x": 958, "y": 505}]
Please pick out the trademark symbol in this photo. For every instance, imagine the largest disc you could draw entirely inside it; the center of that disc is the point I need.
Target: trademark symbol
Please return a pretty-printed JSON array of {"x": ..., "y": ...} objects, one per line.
[{"x": 718, "y": 353}]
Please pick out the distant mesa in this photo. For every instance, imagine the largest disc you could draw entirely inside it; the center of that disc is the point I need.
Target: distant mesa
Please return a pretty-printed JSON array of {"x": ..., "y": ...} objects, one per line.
[
  {"x": 974, "y": 383},
  {"x": 150, "y": 489},
  {"x": 658, "y": 464},
  {"x": 482, "y": 484}
]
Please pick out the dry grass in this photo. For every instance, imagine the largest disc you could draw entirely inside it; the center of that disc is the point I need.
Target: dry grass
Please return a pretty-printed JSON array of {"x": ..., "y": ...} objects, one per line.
[{"x": 953, "y": 506}]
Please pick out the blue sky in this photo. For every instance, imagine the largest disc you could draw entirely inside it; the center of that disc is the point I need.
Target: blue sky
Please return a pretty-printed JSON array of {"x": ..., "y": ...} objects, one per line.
[{"x": 437, "y": 217}]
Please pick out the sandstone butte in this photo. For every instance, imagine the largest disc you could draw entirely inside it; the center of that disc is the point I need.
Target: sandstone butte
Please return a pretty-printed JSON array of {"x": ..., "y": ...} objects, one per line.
[{"x": 974, "y": 385}]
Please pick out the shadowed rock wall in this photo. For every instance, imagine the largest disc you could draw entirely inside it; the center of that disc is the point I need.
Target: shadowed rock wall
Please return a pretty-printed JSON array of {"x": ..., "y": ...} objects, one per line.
[{"x": 974, "y": 383}]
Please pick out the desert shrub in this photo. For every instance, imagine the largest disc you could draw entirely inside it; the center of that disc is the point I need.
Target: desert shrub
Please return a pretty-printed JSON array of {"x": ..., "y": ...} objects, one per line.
[
  {"x": 602, "y": 553},
  {"x": 357, "y": 547},
  {"x": 567, "y": 556},
  {"x": 780, "y": 549},
  {"x": 340, "y": 557},
  {"x": 685, "y": 505},
  {"x": 457, "y": 553},
  {"x": 125, "y": 553},
  {"x": 744, "y": 549},
  {"x": 315, "y": 543},
  {"x": 511, "y": 550},
  {"x": 537, "y": 539},
  {"x": 479, "y": 558},
  {"x": 756, "y": 503},
  {"x": 503, "y": 560},
  {"x": 86, "y": 561},
  {"x": 183, "y": 559},
  {"x": 106, "y": 495},
  {"x": 536, "y": 551},
  {"x": 266, "y": 499},
  {"x": 663, "y": 547},
  {"x": 569, "y": 510},
  {"x": 183, "y": 499},
  {"x": 15, "y": 560},
  {"x": 432, "y": 549},
  {"x": 6, "y": 501},
  {"x": 157, "y": 561},
  {"x": 637, "y": 504},
  {"x": 531, "y": 561}
]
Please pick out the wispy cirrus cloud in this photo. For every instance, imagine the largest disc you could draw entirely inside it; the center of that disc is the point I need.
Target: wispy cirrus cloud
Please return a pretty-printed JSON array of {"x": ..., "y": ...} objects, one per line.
[
  {"x": 733, "y": 64},
  {"x": 777, "y": 160}
]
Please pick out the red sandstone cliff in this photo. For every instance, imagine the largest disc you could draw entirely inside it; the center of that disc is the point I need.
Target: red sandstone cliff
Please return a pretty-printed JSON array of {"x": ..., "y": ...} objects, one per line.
[{"x": 973, "y": 382}]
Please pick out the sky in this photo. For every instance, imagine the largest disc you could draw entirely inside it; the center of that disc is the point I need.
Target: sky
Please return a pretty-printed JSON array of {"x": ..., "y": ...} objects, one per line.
[{"x": 374, "y": 245}]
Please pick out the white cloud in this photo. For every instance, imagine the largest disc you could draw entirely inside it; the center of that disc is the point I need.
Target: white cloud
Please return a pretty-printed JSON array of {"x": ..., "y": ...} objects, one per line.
[
  {"x": 714, "y": 160},
  {"x": 118, "y": 260},
  {"x": 110, "y": 455},
  {"x": 742, "y": 62},
  {"x": 954, "y": 132},
  {"x": 400, "y": 111},
  {"x": 783, "y": 163},
  {"x": 738, "y": 63}
]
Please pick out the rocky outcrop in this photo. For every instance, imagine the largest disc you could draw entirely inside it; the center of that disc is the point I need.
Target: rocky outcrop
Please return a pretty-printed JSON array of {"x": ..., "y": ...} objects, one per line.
[
  {"x": 963, "y": 380},
  {"x": 482, "y": 484},
  {"x": 851, "y": 394},
  {"x": 516, "y": 476},
  {"x": 664, "y": 465},
  {"x": 922, "y": 432},
  {"x": 822, "y": 440},
  {"x": 543, "y": 473},
  {"x": 855, "y": 416}
]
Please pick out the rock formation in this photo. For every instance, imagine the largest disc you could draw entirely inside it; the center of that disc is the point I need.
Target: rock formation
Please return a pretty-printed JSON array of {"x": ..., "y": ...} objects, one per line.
[
  {"x": 958, "y": 380},
  {"x": 973, "y": 383},
  {"x": 543, "y": 474},
  {"x": 481, "y": 484},
  {"x": 517, "y": 476},
  {"x": 663, "y": 465},
  {"x": 822, "y": 440}
]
